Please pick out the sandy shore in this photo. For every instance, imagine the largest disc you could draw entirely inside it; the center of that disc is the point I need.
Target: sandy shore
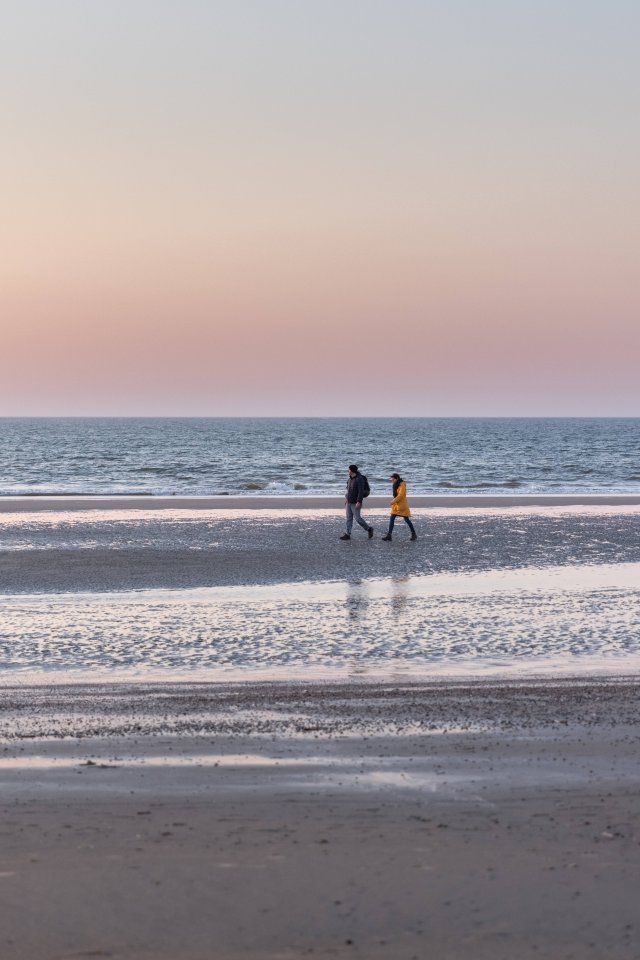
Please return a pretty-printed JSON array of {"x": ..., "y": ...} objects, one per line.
[
  {"x": 395, "y": 820},
  {"x": 32, "y": 712},
  {"x": 202, "y": 592},
  {"x": 492, "y": 821},
  {"x": 107, "y": 550},
  {"x": 43, "y": 503}
]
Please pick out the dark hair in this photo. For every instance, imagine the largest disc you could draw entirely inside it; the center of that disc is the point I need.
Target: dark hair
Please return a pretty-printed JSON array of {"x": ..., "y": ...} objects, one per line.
[
  {"x": 353, "y": 467},
  {"x": 396, "y": 476},
  {"x": 397, "y": 480}
]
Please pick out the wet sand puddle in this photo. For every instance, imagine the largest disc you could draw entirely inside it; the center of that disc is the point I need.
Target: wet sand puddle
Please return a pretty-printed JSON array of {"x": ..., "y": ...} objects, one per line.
[
  {"x": 425, "y": 772},
  {"x": 547, "y": 618},
  {"x": 304, "y": 771}
]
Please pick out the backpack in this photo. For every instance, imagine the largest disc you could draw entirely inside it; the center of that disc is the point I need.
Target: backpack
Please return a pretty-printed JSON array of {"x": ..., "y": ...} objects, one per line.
[{"x": 366, "y": 489}]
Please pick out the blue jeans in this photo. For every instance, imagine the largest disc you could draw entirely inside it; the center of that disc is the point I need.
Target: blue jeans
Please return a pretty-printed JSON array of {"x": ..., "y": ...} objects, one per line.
[
  {"x": 392, "y": 520},
  {"x": 352, "y": 512}
]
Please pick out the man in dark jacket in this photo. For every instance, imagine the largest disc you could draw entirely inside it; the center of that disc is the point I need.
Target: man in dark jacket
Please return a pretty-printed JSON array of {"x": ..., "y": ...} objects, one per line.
[{"x": 353, "y": 502}]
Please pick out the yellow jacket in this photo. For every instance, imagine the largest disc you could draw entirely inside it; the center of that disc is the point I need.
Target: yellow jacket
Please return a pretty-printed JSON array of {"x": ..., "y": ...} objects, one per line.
[{"x": 399, "y": 504}]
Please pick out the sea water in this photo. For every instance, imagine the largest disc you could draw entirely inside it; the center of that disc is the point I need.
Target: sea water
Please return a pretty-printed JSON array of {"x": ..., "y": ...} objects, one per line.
[{"x": 303, "y": 456}]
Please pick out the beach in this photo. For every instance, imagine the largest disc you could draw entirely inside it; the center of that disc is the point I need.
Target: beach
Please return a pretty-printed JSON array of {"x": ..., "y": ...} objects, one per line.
[
  {"x": 104, "y": 544},
  {"x": 224, "y": 733},
  {"x": 450, "y": 820},
  {"x": 320, "y": 481}
]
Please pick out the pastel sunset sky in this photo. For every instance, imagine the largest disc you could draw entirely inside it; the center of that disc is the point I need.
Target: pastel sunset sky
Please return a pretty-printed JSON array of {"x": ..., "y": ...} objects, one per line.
[{"x": 320, "y": 207}]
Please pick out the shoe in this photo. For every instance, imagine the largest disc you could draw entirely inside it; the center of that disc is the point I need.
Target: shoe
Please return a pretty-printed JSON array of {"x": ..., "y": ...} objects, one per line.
[
  {"x": 346, "y": 536},
  {"x": 370, "y": 532},
  {"x": 414, "y": 537},
  {"x": 387, "y": 536}
]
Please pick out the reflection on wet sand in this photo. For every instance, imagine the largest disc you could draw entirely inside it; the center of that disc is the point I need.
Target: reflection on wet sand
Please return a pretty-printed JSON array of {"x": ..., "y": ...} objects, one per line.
[
  {"x": 356, "y": 599},
  {"x": 568, "y": 618},
  {"x": 400, "y": 594}
]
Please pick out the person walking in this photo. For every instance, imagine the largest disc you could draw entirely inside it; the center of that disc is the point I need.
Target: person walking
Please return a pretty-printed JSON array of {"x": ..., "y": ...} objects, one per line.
[
  {"x": 399, "y": 506},
  {"x": 357, "y": 490}
]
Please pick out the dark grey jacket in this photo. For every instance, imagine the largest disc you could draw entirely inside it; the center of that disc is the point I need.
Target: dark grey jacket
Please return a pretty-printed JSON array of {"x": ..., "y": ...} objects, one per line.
[{"x": 355, "y": 489}]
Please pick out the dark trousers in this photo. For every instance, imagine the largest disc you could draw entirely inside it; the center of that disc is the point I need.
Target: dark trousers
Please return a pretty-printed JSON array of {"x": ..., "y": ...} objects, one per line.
[{"x": 407, "y": 520}]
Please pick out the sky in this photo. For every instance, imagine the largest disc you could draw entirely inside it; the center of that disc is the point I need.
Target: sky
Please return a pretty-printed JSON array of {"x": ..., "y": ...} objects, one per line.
[{"x": 320, "y": 207}]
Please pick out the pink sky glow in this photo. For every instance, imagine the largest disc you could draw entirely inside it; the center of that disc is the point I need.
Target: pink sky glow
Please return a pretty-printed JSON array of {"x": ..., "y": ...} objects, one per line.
[{"x": 299, "y": 210}]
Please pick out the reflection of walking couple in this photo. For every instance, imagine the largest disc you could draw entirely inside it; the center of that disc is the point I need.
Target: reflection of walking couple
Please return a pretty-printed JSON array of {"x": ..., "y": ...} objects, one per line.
[{"x": 358, "y": 489}]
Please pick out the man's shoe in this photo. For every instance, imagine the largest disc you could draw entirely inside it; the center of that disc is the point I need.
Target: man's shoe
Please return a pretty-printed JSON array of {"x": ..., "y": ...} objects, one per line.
[
  {"x": 414, "y": 537},
  {"x": 346, "y": 536},
  {"x": 387, "y": 536},
  {"x": 370, "y": 532}
]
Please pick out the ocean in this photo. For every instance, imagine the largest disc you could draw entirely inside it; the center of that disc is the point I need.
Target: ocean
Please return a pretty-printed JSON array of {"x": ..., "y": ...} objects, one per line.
[{"x": 207, "y": 456}]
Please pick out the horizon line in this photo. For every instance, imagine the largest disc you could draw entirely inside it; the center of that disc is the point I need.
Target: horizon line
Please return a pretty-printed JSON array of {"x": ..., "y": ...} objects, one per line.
[{"x": 318, "y": 416}]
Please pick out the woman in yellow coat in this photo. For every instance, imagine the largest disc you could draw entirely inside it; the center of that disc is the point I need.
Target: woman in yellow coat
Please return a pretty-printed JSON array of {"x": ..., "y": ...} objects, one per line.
[{"x": 399, "y": 506}]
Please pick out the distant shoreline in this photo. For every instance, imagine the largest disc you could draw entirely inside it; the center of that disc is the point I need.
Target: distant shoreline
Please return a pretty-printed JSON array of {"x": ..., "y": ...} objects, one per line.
[{"x": 36, "y": 503}]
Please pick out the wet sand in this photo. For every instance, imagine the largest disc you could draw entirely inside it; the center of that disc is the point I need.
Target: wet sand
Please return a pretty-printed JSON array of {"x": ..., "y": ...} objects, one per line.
[
  {"x": 537, "y": 590},
  {"x": 39, "y": 503},
  {"x": 403, "y": 819},
  {"x": 450, "y": 820},
  {"x": 89, "y": 550}
]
